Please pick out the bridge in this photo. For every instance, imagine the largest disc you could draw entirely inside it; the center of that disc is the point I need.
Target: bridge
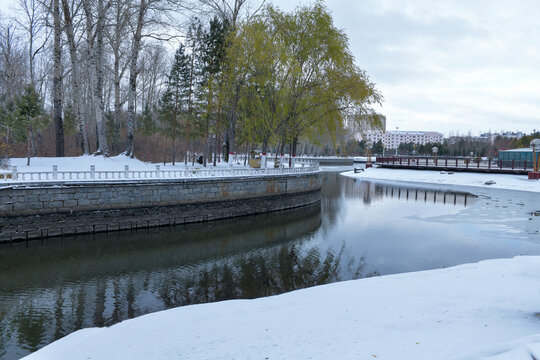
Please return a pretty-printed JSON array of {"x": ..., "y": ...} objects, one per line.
[{"x": 463, "y": 164}]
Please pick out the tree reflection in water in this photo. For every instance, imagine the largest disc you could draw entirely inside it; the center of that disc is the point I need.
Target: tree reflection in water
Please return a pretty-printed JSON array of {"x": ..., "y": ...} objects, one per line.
[
  {"x": 280, "y": 270},
  {"x": 55, "y": 287}
]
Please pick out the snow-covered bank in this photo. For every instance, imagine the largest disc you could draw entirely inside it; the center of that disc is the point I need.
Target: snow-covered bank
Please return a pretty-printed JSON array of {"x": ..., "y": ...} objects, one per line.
[
  {"x": 502, "y": 181},
  {"x": 79, "y": 163},
  {"x": 99, "y": 168},
  {"x": 115, "y": 163},
  {"x": 486, "y": 310}
]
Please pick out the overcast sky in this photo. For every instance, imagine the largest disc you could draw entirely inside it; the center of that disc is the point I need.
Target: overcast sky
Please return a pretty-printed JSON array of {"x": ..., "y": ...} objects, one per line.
[{"x": 447, "y": 65}]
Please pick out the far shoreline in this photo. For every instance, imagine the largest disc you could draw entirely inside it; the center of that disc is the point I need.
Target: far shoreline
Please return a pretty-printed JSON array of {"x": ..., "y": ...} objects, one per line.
[{"x": 445, "y": 185}]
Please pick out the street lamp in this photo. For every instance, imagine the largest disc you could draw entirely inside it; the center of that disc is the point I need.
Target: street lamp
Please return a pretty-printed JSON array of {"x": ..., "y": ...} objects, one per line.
[
  {"x": 435, "y": 150},
  {"x": 369, "y": 146}
]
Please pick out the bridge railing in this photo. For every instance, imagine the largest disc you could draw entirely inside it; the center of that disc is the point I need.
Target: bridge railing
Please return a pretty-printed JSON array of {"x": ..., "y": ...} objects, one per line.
[
  {"x": 455, "y": 162},
  {"x": 150, "y": 174}
]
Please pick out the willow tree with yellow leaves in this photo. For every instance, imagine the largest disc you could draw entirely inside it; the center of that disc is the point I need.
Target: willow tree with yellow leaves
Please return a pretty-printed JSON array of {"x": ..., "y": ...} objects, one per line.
[{"x": 292, "y": 76}]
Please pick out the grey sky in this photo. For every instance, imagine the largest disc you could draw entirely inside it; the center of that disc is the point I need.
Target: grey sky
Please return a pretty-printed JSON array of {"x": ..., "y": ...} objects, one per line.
[{"x": 449, "y": 65}]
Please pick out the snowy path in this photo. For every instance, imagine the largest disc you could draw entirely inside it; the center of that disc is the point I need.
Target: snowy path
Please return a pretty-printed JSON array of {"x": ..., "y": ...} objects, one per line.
[{"x": 487, "y": 310}]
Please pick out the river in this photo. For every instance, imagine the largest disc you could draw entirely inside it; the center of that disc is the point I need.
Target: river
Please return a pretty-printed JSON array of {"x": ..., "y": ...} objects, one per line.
[{"x": 53, "y": 287}]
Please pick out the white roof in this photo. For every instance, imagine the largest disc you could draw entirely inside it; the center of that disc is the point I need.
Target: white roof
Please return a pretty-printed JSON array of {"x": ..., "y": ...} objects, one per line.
[{"x": 517, "y": 150}]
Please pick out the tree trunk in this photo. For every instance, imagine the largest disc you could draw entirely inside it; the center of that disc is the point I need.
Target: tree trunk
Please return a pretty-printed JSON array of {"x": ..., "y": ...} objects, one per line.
[
  {"x": 95, "y": 58},
  {"x": 57, "y": 82},
  {"x": 32, "y": 141},
  {"x": 28, "y": 146},
  {"x": 82, "y": 133},
  {"x": 98, "y": 91},
  {"x": 263, "y": 153},
  {"x": 133, "y": 71},
  {"x": 231, "y": 131},
  {"x": 293, "y": 151}
]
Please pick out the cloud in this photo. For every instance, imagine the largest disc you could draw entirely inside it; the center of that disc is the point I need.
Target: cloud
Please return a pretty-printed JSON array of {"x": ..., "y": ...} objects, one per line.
[{"x": 447, "y": 66}]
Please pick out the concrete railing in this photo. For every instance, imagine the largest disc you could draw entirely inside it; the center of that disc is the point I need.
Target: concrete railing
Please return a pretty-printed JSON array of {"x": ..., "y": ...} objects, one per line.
[{"x": 157, "y": 173}]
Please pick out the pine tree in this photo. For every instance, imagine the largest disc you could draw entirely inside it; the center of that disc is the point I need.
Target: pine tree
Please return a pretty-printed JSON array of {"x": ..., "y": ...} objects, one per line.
[
  {"x": 147, "y": 126},
  {"x": 194, "y": 42},
  {"x": 174, "y": 100},
  {"x": 213, "y": 53},
  {"x": 29, "y": 110}
]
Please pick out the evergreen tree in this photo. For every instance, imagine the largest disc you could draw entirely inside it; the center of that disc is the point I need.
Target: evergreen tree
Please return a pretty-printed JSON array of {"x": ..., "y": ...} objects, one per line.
[
  {"x": 193, "y": 119},
  {"x": 213, "y": 52},
  {"x": 174, "y": 102},
  {"x": 147, "y": 126},
  {"x": 377, "y": 148},
  {"x": 29, "y": 110}
]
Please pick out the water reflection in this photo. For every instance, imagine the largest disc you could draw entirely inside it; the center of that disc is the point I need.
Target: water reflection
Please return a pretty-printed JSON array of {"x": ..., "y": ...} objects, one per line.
[
  {"x": 51, "y": 288},
  {"x": 54, "y": 287},
  {"x": 370, "y": 192}
]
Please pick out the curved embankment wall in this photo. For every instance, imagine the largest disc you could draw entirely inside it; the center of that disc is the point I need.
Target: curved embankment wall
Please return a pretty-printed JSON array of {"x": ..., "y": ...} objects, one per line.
[{"x": 33, "y": 211}]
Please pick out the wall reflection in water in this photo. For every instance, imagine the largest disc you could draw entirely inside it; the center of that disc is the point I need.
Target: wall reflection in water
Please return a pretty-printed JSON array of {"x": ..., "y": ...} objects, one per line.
[{"x": 370, "y": 192}]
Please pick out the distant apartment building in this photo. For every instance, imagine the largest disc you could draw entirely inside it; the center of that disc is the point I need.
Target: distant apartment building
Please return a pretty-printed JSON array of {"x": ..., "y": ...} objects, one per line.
[{"x": 392, "y": 139}]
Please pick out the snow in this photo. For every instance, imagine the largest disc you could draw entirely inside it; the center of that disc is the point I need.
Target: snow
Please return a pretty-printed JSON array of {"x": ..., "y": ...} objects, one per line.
[
  {"x": 83, "y": 163},
  {"x": 461, "y": 179},
  {"x": 78, "y": 169},
  {"x": 487, "y": 310}
]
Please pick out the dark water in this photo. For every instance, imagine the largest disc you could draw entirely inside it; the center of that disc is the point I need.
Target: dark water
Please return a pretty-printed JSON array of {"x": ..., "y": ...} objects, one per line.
[{"x": 51, "y": 288}]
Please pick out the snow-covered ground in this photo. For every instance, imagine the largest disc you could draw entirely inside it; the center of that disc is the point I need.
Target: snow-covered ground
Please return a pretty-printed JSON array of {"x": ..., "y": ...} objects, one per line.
[
  {"x": 488, "y": 310},
  {"x": 124, "y": 168},
  {"x": 502, "y": 181},
  {"x": 113, "y": 163}
]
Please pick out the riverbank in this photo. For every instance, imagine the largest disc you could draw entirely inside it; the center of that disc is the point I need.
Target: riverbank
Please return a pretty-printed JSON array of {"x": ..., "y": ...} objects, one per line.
[
  {"x": 501, "y": 181},
  {"x": 486, "y": 310},
  {"x": 71, "y": 201}
]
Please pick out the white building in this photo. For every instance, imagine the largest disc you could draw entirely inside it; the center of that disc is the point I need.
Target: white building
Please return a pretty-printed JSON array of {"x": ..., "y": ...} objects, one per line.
[{"x": 392, "y": 139}]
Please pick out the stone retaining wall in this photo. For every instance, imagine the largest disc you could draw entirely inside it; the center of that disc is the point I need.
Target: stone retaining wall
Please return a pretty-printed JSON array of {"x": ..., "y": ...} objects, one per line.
[{"x": 56, "y": 209}]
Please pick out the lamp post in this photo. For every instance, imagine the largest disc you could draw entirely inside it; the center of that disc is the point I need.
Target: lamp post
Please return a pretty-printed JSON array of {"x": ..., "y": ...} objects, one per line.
[
  {"x": 535, "y": 145},
  {"x": 435, "y": 150},
  {"x": 369, "y": 146}
]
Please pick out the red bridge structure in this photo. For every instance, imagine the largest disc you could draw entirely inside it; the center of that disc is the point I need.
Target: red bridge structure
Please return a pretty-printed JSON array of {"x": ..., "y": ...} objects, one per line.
[{"x": 464, "y": 164}]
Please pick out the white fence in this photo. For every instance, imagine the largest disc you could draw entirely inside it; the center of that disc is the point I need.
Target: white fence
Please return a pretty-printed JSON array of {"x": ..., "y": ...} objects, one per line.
[{"x": 157, "y": 173}]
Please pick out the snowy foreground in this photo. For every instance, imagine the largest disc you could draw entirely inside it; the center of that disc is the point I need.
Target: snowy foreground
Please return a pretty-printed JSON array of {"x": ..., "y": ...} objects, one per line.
[
  {"x": 502, "y": 181},
  {"x": 488, "y": 310}
]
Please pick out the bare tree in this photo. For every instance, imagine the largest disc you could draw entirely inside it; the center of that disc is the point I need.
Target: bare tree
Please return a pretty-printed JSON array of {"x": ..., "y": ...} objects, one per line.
[
  {"x": 133, "y": 72},
  {"x": 116, "y": 35},
  {"x": 232, "y": 10},
  {"x": 57, "y": 80},
  {"x": 148, "y": 16},
  {"x": 82, "y": 132},
  {"x": 12, "y": 62},
  {"x": 95, "y": 58},
  {"x": 34, "y": 23}
]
